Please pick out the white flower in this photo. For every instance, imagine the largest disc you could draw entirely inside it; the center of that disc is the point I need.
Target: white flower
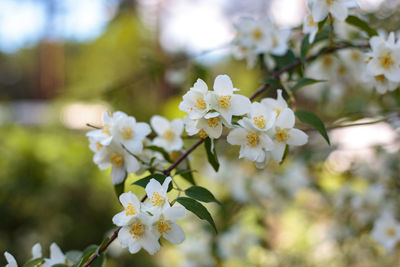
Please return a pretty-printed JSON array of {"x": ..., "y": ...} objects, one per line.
[
  {"x": 310, "y": 26},
  {"x": 157, "y": 198},
  {"x": 10, "y": 260},
  {"x": 103, "y": 136},
  {"x": 166, "y": 227},
  {"x": 253, "y": 143},
  {"x": 168, "y": 133},
  {"x": 126, "y": 131},
  {"x": 224, "y": 101},
  {"x": 386, "y": 231},
  {"x": 56, "y": 256},
  {"x": 209, "y": 126},
  {"x": 37, "y": 251},
  {"x": 131, "y": 209},
  {"x": 138, "y": 234},
  {"x": 194, "y": 102},
  {"x": 337, "y": 8},
  {"x": 385, "y": 57},
  {"x": 121, "y": 161},
  {"x": 276, "y": 105},
  {"x": 262, "y": 117},
  {"x": 284, "y": 133},
  {"x": 254, "y": 34},
  {"x": 236, "y": 242},
  {"x": 380, "y": 83},
  {"x": 279, "y": 41}
]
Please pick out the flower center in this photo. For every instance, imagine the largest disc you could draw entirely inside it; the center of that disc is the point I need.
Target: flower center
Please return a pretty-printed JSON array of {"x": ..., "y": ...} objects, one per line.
[
  {"x": 390, "y": 231},
  {"x": 311, "y": 21},
  {"x": 163, "y": 227},
  {"x": 224, "y": 101},
  {"x": 259, "y": 121},
  {"x": 127, "y": 132},
  {"x": 252, "y": 139},
  {"x": 213, "y": 122},
  {"x": 200, "y": 103},
  {"x": 203, "y": 134},
  {"x": 380, "y": 78},
  {"x": 326, "y": 62},
  {"x": 106, "y": 129},
  {"x": 342, "y": 70},
  {"x": 330, "y": 2},
  {"x": 157, "y": 199},
  {"x": 130, "y": 210},
  {"x": 169, "y": 135},
  {"x": 98, "y": 146},
  {"x": 137, "y": 229},
  {"x": 117, "y": 160},
  {"x": 257, "y": 34},
  {"x": 282, "y": 136},
  {"x": 387, "y": 61}
]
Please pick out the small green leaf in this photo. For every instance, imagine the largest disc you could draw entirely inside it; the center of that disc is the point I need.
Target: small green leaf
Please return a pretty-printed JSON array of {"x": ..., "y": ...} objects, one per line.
[
  {"x": 285, "y": 60},
  {"x": 86, "y": 255},
  {"x": 273, "y": 82},
  {"x": 187, "y": 175},
  {"x": 102, "y": 244},
  {"x": 34, "y": 263},
  {"x": 198, "y": 209},
  {"x": 162, "y": 151},
  {"x": 313, "y": 120},
  {"x": 362, "y": 25},
  {"x": 98, "y": 262},
  {"x": 304, "y": 82},
  {"x": 321, "y": 24},
  {"x": 201, "y": 194},
  {"x": 305, "y": 45},
  {"x": 157, "y": 176},
  {"x": 211, "y": 155},
  {"x": 119, "y": 188}
]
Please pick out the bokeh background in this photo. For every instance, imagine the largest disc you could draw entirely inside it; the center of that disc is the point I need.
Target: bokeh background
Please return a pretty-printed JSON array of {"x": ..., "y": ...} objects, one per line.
[{"x": 62, "y": 63}]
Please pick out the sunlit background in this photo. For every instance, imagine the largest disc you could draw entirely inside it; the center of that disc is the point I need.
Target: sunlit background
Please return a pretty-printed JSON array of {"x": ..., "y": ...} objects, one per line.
[{"x": 62, "y": 63}]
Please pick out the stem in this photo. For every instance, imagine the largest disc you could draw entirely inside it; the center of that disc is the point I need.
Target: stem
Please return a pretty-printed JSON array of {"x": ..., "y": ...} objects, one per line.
[{"x": 92, "y": 126}]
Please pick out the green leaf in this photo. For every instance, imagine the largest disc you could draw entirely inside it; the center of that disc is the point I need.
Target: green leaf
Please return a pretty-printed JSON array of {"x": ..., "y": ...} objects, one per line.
[
  {"x": 74, "y": 255},
  {"x": 273, "y": 82},
  {"x": 86, "y": 254},
  {"x": 34, "y": 263},
  {"x": 98, "y": 262},
  {"x": 119, "y": 188},
  {"x": 162, "y": 151},
  {"x": 285, "y": 60},
  {"x": 285, "y": 153},
  {"x": 201, "y": 194},
  {"x": 362, "y": 25},
  {"x": 102, "y": 244},
  {"x": 305, "y": 44},
  {"x": 157, "y": 176},
  {"x": 304, "y": 82},
  {"x": 211, "y": 155},
  {"x": 321, "y": 24},
  {"x": 313, "y": 120},
  {"x": 198, "y": 209},
  {"x": 187, "y": 175}
]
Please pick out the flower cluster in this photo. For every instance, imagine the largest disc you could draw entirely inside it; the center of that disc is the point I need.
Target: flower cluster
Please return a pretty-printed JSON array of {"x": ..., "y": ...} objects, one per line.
[
  {"x": 121, "y": 143},
  {"x": 255, "y": 37},
  {"x": 144, "y": 223}
]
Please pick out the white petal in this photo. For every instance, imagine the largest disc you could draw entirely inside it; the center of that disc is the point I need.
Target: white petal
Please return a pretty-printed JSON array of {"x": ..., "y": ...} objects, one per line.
[
  {"x": 124, "y": 236},
  {"x": 319, "y": 12},
  {"x": 118, "y": 174},
  {"x": 153, "y": 186},
  {"x": 142, "y": 130},
  {"x": 134, "y": 247},
  {"x": 240, "y": 105},
  {"x": 297, "y": 137},
  {"x": 166, "y": 183},
  {"x": 200, "y": 86},
  {"x": 177, "y": 126},
  {"x": 56, "y": 254},
  {"x": 10, "y": 259},
  {"x": 159, "y": 124},
  {"x": 339, "y": 11},
  {"x": 131, "y": 163},
  {"x": 393, "y": 75},
  {"x": 250, "y": 153},
  {"x": 174, "y": 213},
  {"x": 150, "y": 243},
  {"x": 120, "y": 219},
  {"x": 223, "y": 85},
  {"x": 37, "y": 251},
  {"x": 286, "y": 119},
  {"x": 214, "y": 132},
  {"x": 237, "y": 136},
  {"x": 277, "y": 152},
  {"x": 176, "y": 235},
  {"x": 129, "y": 198}
]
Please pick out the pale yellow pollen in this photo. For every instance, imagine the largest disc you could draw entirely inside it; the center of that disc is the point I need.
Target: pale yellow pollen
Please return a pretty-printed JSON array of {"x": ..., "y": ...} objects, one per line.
[
  {"x": 386, "y": 61},
  {"x": 127, "y": 132},
  {"x": 257, "y": 34},
  {"x": 98, "y": 146},
  {"x": 390, "y": 231},
  {"x": 168, "y": 135},
  {"x": 163, "y": 227},
  {"x": 203, "y": 134},
  {"x": 130, "y": 210},
  {"x": 330, "y": 2},
  {"x": 278, "y": 111},
  {"x": 380, "y": 78},
  {"x": 259, "y": 121},
  {"x": 200, "y": 103},
  {"x": 224, "y": 101},
  {"x": 117, "y": 160},
  {"x": 311, "y": 21},
  {"x": 282, "y": 136},
  {"x": 137, "y": 229},
  {"x": 106, "y": 129},
  {"x": 252, "y": 139},
  {"x": 157, "y": 199},
  {"x": 213, "y": 122}
]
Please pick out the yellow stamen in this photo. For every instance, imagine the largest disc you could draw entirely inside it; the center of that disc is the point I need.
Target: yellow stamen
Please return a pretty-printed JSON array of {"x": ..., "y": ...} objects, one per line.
[
  {"x": 257, "y": 34},
  {"x": 311, "y": 21},
  {"x": 390, "y": 231},
  {"x": 282, "y": 136},
  {"x": 213, "y": 122},
  {"x": 380, "y": 78},
  {"x": 200, "y": 103},
  {"x": 330, "y": 2},
  {"x": 386, "y": 61},
  {"x": 157, "y": 199},
  {"x": 127, "y": 132},
  {"x": 169, "y": 135},
  {"x": 224, "y": 101},
  {"x": 117, "y": 160},
  {"x": 252, "y": 139},
  {"x": 203, "y": 134},
  {"x": 106, "y": 129},
  {"x": 163, "y": 227},
  {"x": 259, "y": 121},
  {"x": 130, "y": 210},
  {"x": 98, "y": 146},
  {"x": 137, "y": 229},
  {"x": 278, "y": 111}
]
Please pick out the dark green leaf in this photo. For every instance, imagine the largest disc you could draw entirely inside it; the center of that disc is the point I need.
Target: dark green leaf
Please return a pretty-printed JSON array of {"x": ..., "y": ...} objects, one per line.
[
  {"x": 273, "y": 82},
  {"x": 313, "y": 120},
  {"x": 285, "y": 60},
  {"x": 34, "y": 263},
  {"x": 198, "y": 209},
  {"x": 211, "y": 155},
  {"x": 162, "y": 151},
  {"x": 119, "y": 188},
  {"x": 87, "y": 253},
  {"x": 305, "y": 44},
  {"x": 157, "y": 176},
  {"x": 102, "y": 244},
  {"x": 187, "y": 175},
  {"x": 321, "y": 24},
  {"x": 304, "y": 82},
  {"x": 201, "y": 194},
  {"x": 98, "y": 262},
  {"x": 362, "y": 25}
]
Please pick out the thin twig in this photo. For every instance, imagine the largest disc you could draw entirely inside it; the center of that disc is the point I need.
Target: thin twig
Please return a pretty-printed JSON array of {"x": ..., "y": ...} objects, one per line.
[{"x": 92, "y": 126}]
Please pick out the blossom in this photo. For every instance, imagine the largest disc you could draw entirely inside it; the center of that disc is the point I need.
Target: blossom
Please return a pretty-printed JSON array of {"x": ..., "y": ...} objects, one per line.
[
  {"x": 209, "y": 126},
  {"x": 279, "y": 41},
  {"x": 37, "y": 251},
  {"x": 337, "y": 8},
  {"x": 131, "y": 209},
  {"x": 310, "y": 26},
  {"x": 261, "y": 116},
  {"x": 138, "y": 234},
  {"x": 277, "y": 104},
  {"x": 380, "y": 83},
  {"x": 254, "y": 34},
  {"x": 194, "y": 102},
  {"x": 224, "y": 101},
  {"x": 168, "y": 133},
  {"x": 157, "y": 198},
  {"x": 166, "y": 227},
  {"x": 384, "y": 58},
  {"x": 10, "y": 260},
  {"x": 56, "y": 256},
  {"x": 386, "y": 231}
]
